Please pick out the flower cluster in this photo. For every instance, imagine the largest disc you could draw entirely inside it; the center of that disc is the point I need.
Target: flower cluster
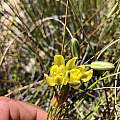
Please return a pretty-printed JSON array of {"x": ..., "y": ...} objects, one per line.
[{"x": 69, "y": 73}]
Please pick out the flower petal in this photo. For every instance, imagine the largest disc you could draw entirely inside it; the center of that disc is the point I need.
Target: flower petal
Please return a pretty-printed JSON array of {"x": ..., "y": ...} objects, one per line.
[
  {"x": 87, "y": 76},
  {"x": 74, "y": 83},
  {"x": 62, "y": 70},
  {"x": 75, "y": 76},
  {"x": 59, "y": 60},
  {"x": 81, "y": 68},
  {"x": 54, "y": 70},
  {"x": 66, "y": 78},
  {"x": 51, "y": 81},
  {"x": 76, "y": 86},
  {"x": 59, "y": 80},
  {"x": 71, "y": 63}
]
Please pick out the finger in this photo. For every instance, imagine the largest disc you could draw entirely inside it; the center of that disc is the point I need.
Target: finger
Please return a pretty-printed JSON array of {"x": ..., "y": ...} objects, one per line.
[
  {"x": 30, "y": 112},
  {"x": 4, "y": 111},
  {"x": 18, "y": 110}
]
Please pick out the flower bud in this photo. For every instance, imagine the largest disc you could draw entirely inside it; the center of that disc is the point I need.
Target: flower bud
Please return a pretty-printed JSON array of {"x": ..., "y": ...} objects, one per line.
[
  {"x": 101, "y": 65},
  {"x": 75, "y": 47}
]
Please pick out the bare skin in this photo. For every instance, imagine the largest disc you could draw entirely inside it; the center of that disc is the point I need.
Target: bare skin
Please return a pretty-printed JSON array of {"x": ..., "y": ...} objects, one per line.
[{"x": 17, "y": 110}]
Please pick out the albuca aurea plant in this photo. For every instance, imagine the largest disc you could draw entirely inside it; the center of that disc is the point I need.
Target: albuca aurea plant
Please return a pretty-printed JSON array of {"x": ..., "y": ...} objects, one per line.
[
  {"x": 63, "y": 75},
  {"x": 37, "y": 32}
]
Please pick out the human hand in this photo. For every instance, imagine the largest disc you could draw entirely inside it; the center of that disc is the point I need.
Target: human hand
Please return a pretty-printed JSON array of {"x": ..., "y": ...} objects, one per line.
[{"x": 17, "y": 110}]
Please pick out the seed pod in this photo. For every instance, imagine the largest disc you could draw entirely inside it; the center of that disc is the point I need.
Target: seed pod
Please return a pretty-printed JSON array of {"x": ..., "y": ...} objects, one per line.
[
  {"x": 101, "y": 65},
  {"x": 75, "y": 47}
]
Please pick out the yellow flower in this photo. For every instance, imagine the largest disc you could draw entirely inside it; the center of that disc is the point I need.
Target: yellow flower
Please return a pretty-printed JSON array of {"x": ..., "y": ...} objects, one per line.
[
  {"x": 57, "y": 71},
  {"x": 57, "y": 74},
  {"x": 71, "y": 63},
  {"x": 59, "y": 60},
  {"x": 75, "y": 76},
  {"x": 85, "y": 75},
  {"x": 79, "y": 74},
  {"x": 61, "y": 74}
]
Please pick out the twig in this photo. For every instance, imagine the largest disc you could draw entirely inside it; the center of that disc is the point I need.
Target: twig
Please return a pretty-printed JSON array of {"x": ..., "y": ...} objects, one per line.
[
  {"x": 5, "y": 52},
  {"x": 23, "y": 88}
]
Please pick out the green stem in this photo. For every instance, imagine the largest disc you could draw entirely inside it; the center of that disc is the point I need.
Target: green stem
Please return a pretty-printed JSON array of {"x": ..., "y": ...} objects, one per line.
[{"x": 64, "y": 28}]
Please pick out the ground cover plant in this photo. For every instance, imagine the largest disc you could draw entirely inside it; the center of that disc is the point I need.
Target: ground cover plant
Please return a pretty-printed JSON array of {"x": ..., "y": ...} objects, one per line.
[{"x": 62, "y": 55}]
